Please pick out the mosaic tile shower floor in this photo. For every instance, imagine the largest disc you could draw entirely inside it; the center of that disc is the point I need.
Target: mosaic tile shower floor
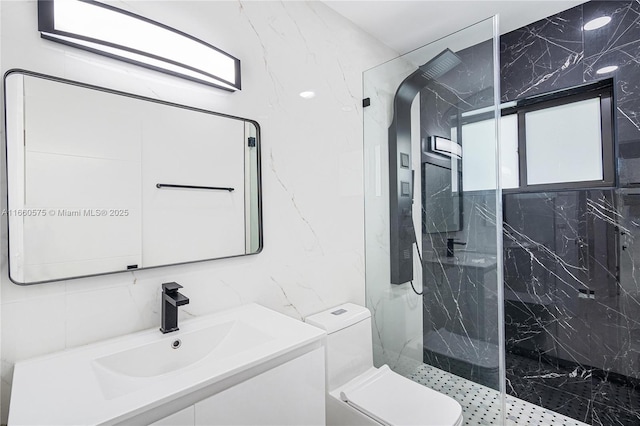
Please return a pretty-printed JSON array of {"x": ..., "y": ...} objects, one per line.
[{"x": 481, "y": 405}]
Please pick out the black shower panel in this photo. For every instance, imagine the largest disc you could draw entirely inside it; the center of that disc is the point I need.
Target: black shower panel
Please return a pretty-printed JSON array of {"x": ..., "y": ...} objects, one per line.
[{"x": 401, "y": 175}]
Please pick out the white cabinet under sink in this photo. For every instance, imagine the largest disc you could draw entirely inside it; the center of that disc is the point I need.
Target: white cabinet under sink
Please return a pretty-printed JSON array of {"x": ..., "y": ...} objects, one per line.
[
  {"x": 290, "y": 394},
  {"x": 181, "y": 418},
  {"x": 245, "y": 366}
]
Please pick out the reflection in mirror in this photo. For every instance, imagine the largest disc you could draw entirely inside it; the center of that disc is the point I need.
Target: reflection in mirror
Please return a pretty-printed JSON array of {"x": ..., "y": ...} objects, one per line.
[
  {"x": 441, "y": 195},
  {"x": 102, "y": 181}
]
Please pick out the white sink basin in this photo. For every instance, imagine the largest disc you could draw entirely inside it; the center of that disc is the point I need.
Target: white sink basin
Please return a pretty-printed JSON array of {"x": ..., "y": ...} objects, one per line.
[
  {"x": 178, "y": 351},
  {"x": 122, "y": 380}
]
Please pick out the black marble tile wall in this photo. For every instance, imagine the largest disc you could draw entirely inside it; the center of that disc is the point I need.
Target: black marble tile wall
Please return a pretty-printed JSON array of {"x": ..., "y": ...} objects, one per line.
[
  {"x": 619, "y": 44},
  {"x": 572, "y": 290},
  {"x": 563, "y": 321},
  {"x": 460, "y": 294},
  {"x": 571, "y": 258},
  {"x": 543, "y": 56}
]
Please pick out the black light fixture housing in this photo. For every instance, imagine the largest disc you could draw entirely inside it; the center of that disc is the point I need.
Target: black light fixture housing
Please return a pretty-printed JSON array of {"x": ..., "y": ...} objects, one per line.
[
  {"x": 112, "y": 32},
  {"x": 445, "y": 146}
]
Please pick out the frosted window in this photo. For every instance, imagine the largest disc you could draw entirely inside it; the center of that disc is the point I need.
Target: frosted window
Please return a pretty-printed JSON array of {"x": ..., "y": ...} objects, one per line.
[
  {"x": 478, "y": 154},
  {"x": 564, "y": 143},
  {"x": 509, "y": 163}
]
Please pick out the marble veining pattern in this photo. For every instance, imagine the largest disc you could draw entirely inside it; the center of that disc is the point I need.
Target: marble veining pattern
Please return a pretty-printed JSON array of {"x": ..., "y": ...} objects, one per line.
[
  {"x": 570, "y": 258},
  {"x": 537, "y": 58},
  {"x": 459, "y": 293},
  {"x": 313, "y": 257},
  {"x": 571, "y": 288},
  {"x": 570, "y": 336},
  {"x": 571, "y": 283},
  {"x": 618, "y": 44}
]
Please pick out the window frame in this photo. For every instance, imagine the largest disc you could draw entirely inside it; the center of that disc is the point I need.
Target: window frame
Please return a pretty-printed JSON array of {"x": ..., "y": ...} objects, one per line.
[{"x": 603, "y": 90}]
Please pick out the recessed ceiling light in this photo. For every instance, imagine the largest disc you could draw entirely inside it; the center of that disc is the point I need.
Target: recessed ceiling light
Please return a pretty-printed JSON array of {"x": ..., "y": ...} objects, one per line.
[
  {"x": 594, "y": 24},
  {"x": 307, "y": 95},
  {"x": 608, "y": 69}
]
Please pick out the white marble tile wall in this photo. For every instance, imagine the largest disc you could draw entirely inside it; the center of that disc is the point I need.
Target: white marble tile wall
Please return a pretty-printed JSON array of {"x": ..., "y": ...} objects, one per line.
[{"x": 312, "y": 170}]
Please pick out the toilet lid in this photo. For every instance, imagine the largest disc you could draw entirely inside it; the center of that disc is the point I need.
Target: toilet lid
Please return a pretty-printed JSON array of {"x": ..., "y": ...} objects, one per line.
[{"x": 397, "y": 401}]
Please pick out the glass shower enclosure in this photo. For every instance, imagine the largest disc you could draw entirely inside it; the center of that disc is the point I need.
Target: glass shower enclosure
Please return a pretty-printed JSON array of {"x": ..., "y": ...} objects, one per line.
[{"x": 433, "y": 218}]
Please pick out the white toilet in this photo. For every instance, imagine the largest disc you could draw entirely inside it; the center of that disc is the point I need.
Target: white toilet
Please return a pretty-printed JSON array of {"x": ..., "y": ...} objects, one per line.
[{"x": 360, "y": 394}]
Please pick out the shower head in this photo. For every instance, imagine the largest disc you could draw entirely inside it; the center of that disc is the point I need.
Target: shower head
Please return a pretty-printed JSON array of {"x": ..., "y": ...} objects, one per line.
[
  {"x": 440, "y": 65},
  {"x": 401, "y": 175}
]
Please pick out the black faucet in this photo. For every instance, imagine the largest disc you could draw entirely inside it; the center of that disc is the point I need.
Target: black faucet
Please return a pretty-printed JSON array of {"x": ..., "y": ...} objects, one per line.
[
  {"x": 171, "y": 299},
  {"x": 450, "y": 243}
]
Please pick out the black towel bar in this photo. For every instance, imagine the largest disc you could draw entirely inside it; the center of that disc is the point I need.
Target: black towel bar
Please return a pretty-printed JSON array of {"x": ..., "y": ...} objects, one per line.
[{"x": 214, "y": 188}]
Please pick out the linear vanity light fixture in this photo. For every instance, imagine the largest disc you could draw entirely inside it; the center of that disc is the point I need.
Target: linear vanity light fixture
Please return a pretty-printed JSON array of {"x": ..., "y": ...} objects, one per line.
[
  {"x": 446, "y": 146},
  {"x": 112, "y": 32}
]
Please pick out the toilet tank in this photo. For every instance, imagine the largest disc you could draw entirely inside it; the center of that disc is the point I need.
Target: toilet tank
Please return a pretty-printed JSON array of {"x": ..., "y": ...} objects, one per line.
[{"x": 349, "y": 344}]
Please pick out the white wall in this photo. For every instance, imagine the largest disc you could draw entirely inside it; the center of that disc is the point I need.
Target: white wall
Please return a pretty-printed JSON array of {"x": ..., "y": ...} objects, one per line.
[{"x": 312, "y": 171}]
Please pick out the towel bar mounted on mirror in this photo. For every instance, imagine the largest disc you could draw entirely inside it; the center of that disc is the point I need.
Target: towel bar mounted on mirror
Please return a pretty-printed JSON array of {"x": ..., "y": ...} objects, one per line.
[{"x": 213, "y": 188}]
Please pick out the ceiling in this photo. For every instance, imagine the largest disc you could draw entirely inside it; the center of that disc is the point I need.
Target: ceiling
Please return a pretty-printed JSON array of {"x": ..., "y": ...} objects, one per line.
[{"x": 406, "y": 25}]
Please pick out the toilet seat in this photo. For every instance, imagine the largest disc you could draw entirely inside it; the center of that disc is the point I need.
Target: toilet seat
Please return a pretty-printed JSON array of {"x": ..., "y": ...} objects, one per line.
[{"x": 393, "y": 400}]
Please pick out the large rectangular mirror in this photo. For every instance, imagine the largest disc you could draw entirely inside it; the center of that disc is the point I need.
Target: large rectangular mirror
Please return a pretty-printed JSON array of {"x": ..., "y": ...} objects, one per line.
[{"x": 101, "y": 181}]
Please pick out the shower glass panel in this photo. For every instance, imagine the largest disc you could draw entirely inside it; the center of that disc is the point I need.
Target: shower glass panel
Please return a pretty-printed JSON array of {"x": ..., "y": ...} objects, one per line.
[{"x": 433, "y": 273}]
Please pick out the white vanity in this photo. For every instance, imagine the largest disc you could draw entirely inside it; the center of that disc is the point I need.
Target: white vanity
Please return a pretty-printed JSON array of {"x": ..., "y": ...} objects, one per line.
[{"x": 245, "y": 366}]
